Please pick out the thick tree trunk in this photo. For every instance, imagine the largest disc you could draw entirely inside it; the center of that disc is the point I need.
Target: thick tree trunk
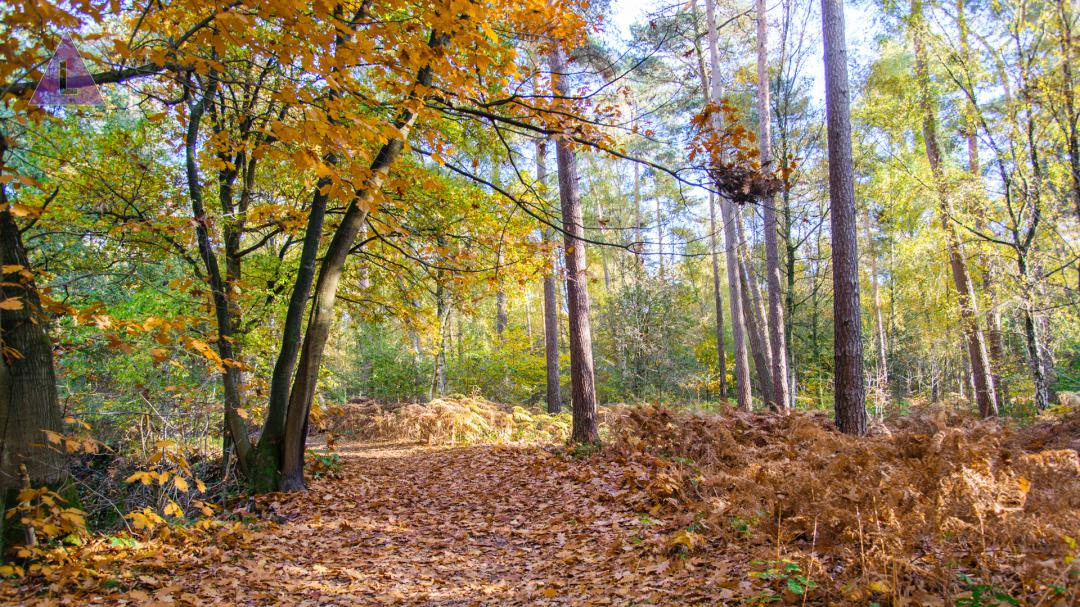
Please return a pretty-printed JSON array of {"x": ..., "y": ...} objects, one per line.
[
  {"x": 266, "y": 459},
  {"x": 777, "y": 339},
  {"x": 985, "y": 395},
  {"x": 850, "y": 390},
  {"x": 28, "y": 401},
  {"x": 582, "y": 378},
  {"x": 728, "y": 214},
  {"x": 551, "y": 305}
]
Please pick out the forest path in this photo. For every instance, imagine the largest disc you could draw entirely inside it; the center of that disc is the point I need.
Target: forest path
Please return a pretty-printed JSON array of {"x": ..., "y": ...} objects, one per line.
[{"x": 480, "y": 525}]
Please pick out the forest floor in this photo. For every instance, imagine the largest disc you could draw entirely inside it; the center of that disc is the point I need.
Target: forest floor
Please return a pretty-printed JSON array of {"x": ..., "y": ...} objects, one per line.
[
  {"x": 478, "y": 525},
  {"x": 677, "y": 509},
  {"x": 406, "y": 524}
]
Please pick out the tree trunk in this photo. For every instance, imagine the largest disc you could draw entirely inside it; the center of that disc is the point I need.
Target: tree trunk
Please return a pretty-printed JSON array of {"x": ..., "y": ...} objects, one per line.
[
  {"x": 222, "y": 307},
  {"x": 985, "y": 395},
  {"x": 718, "y": 298},
  {"x": 777, "y": 339},
  {"x": 759, "y": 348},
  {"x": 551, "y": 305},
  {"x": 502, "y": 318},
  {"x": 714, "y": 256},
  {"x": 659, "y": 234},
  {"x": 263, "y": 471},
  {"x": 322, "y": 308},
  {"x": 28, "y": 401},
  {"x": 879, "y": 320},
  {"x": 582, "y": 379},
  {"x": 1071, "y": 127},
  {"x": 850, "y": 391},
  {"x": 995, "y": 347},
  {"x": 728, "y": 216},
  {"x": 754, "y": 317},
  {"x": 438, "y": 371},
  {"x": 1031, "y": 334}
]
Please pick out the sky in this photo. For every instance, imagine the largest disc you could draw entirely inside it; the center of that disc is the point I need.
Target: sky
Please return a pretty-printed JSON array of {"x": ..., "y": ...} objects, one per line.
[{"x": 860, "y": 20}]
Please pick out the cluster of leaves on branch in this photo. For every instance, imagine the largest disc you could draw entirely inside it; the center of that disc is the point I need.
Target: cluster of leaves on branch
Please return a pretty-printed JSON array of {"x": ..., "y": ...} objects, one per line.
[{"x": 731, "y": 157}]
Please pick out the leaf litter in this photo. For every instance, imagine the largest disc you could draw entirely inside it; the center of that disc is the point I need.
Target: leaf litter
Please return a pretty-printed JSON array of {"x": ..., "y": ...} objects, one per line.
[{"x": 678, "y": 509}]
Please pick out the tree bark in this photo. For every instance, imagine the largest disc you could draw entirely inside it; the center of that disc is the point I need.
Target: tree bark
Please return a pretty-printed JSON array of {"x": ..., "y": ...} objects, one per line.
[
  {"x": 993, "y": 317},
  {"x": 322, "y": 308},
  {"x": 781, "y": 399},
  {"x": 582, "y": 378},
  {"x": 714, "y": 256},
  {"x": 759, "y": 347},
  {"x": 985, "y": 395},
  {"x": 849, "y": 387},
  {"x": 28, "y": 399},
  {"x": 222, "y": 307},
  {"x": 1071, "y": 127},
  {"x": 728, "y": 216},
  {"x": 718, "y": 298},
  {"x": 442, "y": 312},
  {"x": 551, "y": 306}
]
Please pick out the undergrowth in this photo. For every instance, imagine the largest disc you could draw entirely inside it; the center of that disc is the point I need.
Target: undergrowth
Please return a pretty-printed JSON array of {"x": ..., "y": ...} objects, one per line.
[
  {"x": 935, "y": 509},
  {"x": 454, "y": 419}
]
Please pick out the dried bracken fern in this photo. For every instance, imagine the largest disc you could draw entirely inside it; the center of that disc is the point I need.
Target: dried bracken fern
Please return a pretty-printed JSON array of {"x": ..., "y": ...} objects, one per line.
[
  {"x": 907, "y": 512},
  {"x": 453, "y": 419}
]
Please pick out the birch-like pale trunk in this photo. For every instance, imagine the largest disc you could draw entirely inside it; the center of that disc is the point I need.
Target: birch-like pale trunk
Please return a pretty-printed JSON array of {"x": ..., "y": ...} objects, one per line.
[
  {"x": 728, "y": 214},
  {"x": 780, "y": 397}
]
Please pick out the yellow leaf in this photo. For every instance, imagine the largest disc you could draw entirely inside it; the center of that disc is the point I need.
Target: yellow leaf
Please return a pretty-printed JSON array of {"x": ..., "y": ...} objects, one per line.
[
  {"x": 11, "y": 303},
  {"x": 21, "y": 210},
  {"x": 181, "y": 484}
]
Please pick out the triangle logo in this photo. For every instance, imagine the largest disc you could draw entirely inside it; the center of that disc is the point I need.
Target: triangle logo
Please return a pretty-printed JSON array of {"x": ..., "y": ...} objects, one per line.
[{"x": 66, "y": 80}]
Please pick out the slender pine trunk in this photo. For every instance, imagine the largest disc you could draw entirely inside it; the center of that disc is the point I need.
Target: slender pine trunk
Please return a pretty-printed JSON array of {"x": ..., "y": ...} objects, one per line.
[
  {"x": 781, "y": 399},
  {"x": 582, "y": 378},
  {"x": 850, "y": 390},
  {"x": 729, "y": 214}
]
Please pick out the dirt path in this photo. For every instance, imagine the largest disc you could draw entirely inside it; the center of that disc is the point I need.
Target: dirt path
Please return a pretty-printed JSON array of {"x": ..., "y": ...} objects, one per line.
[{"x": 481, "y": 525}]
